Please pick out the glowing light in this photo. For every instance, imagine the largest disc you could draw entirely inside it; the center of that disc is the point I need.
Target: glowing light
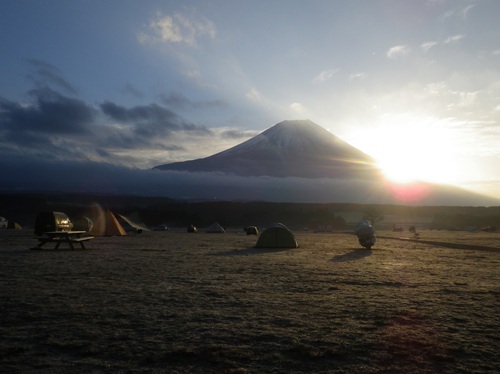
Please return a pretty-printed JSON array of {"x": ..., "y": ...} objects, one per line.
[
  {"x": 397, "y": 170},
  {"x": 416, "y": 150},
  {"x": 409, "y": 192}
]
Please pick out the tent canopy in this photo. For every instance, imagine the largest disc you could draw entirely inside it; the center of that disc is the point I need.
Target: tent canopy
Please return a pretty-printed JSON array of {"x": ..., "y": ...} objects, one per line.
[
  {"x": 276, "y": 237},
  {"x": 106, "y": 224},
  {"x": 216, "y": 228},
  {"x": 134, "y": 221}
]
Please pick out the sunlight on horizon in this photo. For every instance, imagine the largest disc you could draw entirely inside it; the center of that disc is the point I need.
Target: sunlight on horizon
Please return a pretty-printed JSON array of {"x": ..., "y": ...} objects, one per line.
[{"x": 413, "y": 151}]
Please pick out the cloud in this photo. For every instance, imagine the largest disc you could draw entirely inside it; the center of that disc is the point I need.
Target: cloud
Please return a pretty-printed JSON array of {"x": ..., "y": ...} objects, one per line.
[
  {"x": 26, "y": 175},
  {"x": 142, "y": 113},
  {"x": 48, "y": 75},
  {"x": 459, "y": 14},
  {"x": 193, "y": 74},
  {"x": 325, "y": 75},
  {"x": 454, "y": 39},
  {"x": 427, "y": 46},
  {"x": 107, "y": 178},
  {"x": 403, "y": 50},
  {"x": 178, "y": 29},
  {"x": 48, "y": 113},
  {"x": 254, "y": 95},
  {"x": 150, "y": 120},
  {"x": 238, "y": 134},
  {"x": 357, "y": 76},
  {"x": 129, "y": 89},
  {"x": 466, "y": 10},
  {"x": 297, "y": 107},
  {"x": 178, "y": 100},
  {"x": 51, "y": 125},
  {"x": 466, "y": 99},
  {"x": 398, "y": 51}
]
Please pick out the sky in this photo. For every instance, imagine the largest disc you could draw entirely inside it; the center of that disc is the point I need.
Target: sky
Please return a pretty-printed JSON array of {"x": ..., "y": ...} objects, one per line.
[{"x": 134, "y": 84}]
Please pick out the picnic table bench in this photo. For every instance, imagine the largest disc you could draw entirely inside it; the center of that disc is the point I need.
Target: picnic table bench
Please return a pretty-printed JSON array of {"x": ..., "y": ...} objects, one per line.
[{"x": 58, "y": 237}]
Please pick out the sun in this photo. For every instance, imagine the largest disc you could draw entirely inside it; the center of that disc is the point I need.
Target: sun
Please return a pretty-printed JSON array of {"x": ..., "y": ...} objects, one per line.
[
  {"x": 398, "y": 169},
  {"x": 406, "y": 159},
  {"x": 417, "y": 152}
]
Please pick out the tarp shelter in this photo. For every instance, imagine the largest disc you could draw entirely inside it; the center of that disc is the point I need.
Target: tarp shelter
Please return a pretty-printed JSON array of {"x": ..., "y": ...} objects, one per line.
[
  {"x": 107, "y": 225},
  {"x": 14, "y": 226},
  {"x": 216, "y": 228},
  {"x": 134, "y": 221},
  {"x": 276, "y": 237}
]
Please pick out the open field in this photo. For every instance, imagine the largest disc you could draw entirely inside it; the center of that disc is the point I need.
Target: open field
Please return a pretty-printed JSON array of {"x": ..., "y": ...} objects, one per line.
[{"x": 198, "y": 303}]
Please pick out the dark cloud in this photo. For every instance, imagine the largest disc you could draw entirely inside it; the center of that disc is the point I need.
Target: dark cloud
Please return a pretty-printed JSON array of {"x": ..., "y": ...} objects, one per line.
[
  {"x": 176, "y": 100},
  {"x": 48, "y": 113},
  {"x": 151, "y": 120},
  {"x": 199, "y": 129},
  {"x": 48, "y": 75},
  {"x": 179, "y": 101},
  {"x": 152, "y": 113},
  {"x": 103, "y": 153},
  {"x": 54, "y": 125},
  {"x": 26, "y": 174},
  {"x": 44, "y": 175},
  {"x": 173, "y": 147}
]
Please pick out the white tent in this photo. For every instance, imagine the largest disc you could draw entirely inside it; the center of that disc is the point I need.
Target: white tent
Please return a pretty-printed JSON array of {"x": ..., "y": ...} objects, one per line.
[
  {"x": 216, "y": 228},
  {"x": 134, "y": 221}
]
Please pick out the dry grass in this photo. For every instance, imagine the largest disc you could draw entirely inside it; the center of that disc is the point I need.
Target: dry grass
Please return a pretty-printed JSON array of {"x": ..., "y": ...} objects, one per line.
[{"x": 177, "y": 302}]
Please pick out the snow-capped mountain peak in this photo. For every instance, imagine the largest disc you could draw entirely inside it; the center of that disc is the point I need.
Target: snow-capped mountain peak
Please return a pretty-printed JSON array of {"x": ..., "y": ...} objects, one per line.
[{"x": 298, "y": 148}]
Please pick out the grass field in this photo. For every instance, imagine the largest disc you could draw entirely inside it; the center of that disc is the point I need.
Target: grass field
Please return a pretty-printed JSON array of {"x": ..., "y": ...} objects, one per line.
[{"x": 199, "y": 303}]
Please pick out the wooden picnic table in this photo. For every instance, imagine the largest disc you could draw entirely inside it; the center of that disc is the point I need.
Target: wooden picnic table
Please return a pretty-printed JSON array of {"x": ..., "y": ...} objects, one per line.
[{"x": 58, "y": 237}]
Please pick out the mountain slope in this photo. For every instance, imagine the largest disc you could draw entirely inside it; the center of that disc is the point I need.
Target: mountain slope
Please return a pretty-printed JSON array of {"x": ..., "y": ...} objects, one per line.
[{"x": 288, "y": 149}]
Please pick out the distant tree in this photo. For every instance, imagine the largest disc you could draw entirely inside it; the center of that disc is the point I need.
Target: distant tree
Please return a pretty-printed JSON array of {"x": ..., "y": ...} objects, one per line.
[{"x": 373, "y": 216}]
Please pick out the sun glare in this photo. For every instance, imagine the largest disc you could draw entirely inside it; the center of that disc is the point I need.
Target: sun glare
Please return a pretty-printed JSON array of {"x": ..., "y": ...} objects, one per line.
[
  {"x": 409, "y": 153},
  {"x": 397, "y": 170}
]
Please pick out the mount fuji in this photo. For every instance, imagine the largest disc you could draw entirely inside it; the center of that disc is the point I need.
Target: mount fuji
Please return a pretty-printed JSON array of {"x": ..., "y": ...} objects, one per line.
[
  {"x": 299, "y": 161},
  {"x": 298, "y": 148}
]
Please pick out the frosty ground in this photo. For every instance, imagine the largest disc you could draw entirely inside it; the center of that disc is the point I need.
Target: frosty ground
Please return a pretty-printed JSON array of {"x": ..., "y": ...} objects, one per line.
[{"x": 186, "y": 303}]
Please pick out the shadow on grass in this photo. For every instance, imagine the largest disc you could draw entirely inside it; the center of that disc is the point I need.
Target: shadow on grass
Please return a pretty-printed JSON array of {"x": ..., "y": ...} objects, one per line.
[
  {"x": 63, "y": 249},
  {"x": 445, "y": 244},
  {"x": 252, "y": 251},
  {"x": 357, "y": 254}
]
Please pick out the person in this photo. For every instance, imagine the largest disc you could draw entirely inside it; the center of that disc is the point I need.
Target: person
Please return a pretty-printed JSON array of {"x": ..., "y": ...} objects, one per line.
[{"x": 365, "y": 233}]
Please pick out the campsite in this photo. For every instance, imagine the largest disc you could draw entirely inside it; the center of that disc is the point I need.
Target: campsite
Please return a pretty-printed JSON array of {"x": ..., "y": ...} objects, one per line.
[{"x": 179, "y": 302}]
